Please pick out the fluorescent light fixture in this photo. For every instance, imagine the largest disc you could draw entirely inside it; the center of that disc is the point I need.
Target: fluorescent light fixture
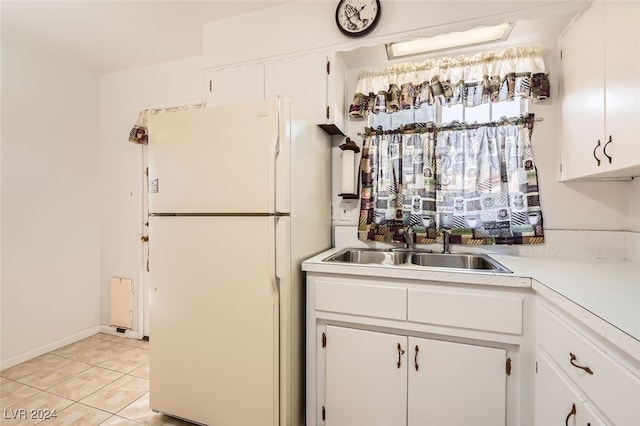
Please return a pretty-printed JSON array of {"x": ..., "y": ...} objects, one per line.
[{"x": 472, "y": 37}]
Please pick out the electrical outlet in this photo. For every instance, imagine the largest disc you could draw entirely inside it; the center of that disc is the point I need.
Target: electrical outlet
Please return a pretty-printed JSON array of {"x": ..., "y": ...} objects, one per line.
[{"x": 344, "y": 213}]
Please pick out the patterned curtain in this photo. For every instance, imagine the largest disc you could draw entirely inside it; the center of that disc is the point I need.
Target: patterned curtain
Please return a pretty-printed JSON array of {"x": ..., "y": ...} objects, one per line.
[{"x": 478, "y": 181}]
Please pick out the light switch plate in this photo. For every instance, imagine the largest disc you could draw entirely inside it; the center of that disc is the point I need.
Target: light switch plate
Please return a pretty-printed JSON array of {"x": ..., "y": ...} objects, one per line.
[{"x": 344, "y": 211}]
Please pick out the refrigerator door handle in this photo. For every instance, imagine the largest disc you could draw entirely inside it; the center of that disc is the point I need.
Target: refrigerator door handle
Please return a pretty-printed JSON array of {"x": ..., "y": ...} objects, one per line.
[
  {"x": 275, "y": 257},
  {"x": 276, "y": 153}
]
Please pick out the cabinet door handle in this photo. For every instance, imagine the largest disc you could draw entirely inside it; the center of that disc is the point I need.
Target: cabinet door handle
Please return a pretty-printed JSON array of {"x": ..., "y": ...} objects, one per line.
[
  {"x": 594, "y": 153},
  {"x": 415, "y": 360},
  {"x": 572, "y": 359},
  {"x": 400, "y": 353},
  {"x": 604, "y": 150},
  {"x": 571, "y": 413}
]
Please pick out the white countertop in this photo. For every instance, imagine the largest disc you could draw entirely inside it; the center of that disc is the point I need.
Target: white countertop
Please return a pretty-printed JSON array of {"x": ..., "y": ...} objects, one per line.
[{"x": 605, "y": 294}]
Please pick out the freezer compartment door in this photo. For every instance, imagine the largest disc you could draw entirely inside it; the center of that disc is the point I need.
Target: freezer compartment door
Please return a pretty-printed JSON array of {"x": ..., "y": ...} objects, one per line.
[
  {"x": 217, "y": 160},
  {"x": 214, "y": 353}
]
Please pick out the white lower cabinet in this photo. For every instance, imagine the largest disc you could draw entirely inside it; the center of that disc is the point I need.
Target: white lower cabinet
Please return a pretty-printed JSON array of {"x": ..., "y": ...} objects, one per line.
[
  {"x": 375, "y": 378},
  {"x": 452, "y": 384},
  {"x": 573, "y": 370},
  {"x": 411, "y": 352},
  {"x": 403, "y": 352},
  {"x": 558, "y": 401},
  {"x": 366, "y": 378}
]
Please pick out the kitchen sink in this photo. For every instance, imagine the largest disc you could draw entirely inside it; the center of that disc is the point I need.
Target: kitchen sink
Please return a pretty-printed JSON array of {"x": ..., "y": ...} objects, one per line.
[
  {"x": 379, "y": 257},
  {"x": 456, "y": 260},
  {"x": 421, "y": 258}
]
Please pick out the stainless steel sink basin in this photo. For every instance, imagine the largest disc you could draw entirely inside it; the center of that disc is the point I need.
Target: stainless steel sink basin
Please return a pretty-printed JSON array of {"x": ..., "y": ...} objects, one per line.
[
  {"x": 457, "y": 260},
  {"x": 467, "y": 261},
  {"x": 378, "y": 257}
]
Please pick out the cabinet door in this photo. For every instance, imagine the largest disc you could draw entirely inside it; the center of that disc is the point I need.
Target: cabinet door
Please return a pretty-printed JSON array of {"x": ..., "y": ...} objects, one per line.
[
  {"x": 304, "y": 81},
  {"x": 453, "y": 384},
  {"x": 337, "y": 92},
  {"x": 582, "y": 91},
  {"x": 233, "y": 85},
  {"x": 590, "y": 418},
  {"x": 622, "y": 85},
  {"x": 366, "y": 378},
  {"x": 556, "y": 401}
]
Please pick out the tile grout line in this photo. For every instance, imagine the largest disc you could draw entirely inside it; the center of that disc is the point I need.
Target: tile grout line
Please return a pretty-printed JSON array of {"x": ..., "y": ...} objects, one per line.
[{"x": 73, "y": 355}]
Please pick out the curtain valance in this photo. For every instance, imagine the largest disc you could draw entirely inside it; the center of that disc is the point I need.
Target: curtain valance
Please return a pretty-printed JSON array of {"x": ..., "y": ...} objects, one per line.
[{"x": 482, "y": 78}]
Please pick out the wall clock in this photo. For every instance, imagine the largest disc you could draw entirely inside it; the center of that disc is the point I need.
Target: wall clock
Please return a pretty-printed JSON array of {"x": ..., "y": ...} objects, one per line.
[{"x": 356, "y": 18}]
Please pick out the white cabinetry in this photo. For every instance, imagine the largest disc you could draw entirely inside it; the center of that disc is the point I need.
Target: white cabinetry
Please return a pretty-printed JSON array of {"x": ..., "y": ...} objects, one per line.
[
  {"x": 455, "y": 384},
  {"x": 375, "y": 378},
  {"x": 387, "y": 352},
  {"x": 573, "y": 371},
  {"x": 315, "y": 82},
  {"x": 366, "y": 378},
  {"x": 234, "y": 85},
  {"x": 601, "y": 93}
]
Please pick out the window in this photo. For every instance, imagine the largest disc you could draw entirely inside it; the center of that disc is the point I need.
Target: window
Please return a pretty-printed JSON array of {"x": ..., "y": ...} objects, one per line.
[{"x": 442, "y": 115}]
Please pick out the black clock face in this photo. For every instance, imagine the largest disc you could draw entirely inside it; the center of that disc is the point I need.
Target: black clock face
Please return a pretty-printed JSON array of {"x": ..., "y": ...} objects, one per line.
[{"x": 356, "y": 18}]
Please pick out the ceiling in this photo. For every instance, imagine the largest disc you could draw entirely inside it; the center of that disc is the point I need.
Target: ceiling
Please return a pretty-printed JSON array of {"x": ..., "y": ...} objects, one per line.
[{"x": 110, "y": 35}]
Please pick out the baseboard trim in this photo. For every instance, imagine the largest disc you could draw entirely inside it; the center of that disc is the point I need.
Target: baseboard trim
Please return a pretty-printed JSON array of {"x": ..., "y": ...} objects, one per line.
[
  {"x": 131, "y": 334},
  {"x": 4, "y": 364}
]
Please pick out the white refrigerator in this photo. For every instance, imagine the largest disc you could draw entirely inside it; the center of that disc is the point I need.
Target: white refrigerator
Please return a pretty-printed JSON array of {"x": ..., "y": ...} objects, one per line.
[{"x": 238, "y": 196}]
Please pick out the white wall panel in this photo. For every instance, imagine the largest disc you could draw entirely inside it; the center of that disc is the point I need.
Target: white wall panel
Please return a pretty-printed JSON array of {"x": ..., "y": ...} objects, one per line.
[{"x": 50, "y": 200}]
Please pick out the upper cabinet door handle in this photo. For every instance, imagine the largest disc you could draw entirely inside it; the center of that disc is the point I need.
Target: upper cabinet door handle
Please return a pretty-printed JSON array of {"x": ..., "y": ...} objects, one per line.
[
  {"x": 594, "y": 152},
  {"x": 572, "y": 359},
  {"x": 604, "y": 150}
]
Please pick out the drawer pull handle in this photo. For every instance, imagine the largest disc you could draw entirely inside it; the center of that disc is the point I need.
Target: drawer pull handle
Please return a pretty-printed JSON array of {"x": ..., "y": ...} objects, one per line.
[
  {"x": 416, "y": 358},
  {"x": 571, "y": 413},
  {"x": 400, "y": 353},
  {"x": 572, "y": 359}
]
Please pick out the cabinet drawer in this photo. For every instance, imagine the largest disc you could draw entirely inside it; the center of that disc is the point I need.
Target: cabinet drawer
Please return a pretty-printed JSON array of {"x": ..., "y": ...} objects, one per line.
[
  {"x": 614, "y": 389},
  {"x": 361, "y": 299},
  {"x": 502, "y": 314}
]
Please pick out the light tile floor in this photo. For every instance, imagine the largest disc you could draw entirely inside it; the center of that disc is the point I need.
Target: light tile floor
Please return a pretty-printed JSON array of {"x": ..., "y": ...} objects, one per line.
[{"x": 100, "y": 380}]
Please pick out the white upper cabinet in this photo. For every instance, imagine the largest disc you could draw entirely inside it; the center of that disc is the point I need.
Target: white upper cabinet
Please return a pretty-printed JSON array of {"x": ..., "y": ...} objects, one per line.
[
  {"x": 315, "y": 82},
  {"x": 234, "y": 85},
  {"x": 600, "y": 92}
]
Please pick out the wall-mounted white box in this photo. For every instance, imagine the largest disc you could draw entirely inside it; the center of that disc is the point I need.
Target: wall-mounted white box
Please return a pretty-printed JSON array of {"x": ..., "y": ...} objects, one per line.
[{"x": 121, "y": 302}]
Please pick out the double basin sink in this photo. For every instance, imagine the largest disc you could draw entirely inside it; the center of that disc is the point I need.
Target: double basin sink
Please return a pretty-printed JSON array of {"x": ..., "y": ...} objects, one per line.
[{"x": 416, "y": 257}]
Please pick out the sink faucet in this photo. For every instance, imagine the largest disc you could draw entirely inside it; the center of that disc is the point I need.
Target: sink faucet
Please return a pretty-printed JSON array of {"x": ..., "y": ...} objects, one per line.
[
  {"x": 408, "y": 237},
  {"x": 446, "y": 233}
]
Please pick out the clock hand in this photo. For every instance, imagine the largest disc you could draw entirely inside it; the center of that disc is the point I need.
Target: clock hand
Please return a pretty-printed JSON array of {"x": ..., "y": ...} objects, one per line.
[{"x": 354, "y": 12}]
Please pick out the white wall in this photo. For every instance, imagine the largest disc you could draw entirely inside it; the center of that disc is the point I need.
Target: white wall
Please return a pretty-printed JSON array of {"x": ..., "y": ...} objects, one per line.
[
  {"x": 634, "y": 205},
  {"x": 310, "y": 25},
  {"x": 123, "y": 94},
  {"x": 50, "y": 209}
]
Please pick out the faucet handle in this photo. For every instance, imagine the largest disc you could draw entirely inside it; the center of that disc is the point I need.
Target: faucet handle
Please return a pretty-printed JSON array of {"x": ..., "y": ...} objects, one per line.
[
  {"x": 407, "y": 233},
  {"x": 446, "y": 234}
]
